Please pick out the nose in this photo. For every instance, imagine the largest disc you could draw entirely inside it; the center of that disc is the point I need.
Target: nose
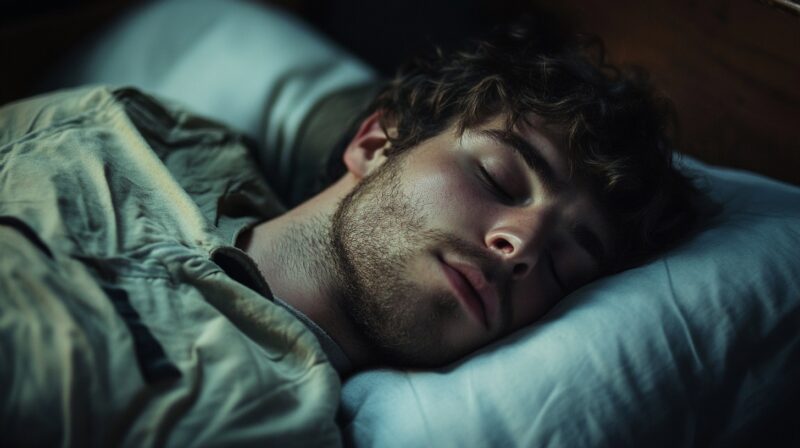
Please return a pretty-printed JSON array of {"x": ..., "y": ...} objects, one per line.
[{"x": 520, "y": 238}]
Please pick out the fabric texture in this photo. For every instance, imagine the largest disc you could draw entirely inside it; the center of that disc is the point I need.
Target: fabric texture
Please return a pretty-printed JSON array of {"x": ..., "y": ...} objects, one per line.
[
  {"x": 248, "y": 65},
  {"x": 332, "y": 350},
  {"x": 699, "y": 347},
  {"x": 121, "y": 323}
]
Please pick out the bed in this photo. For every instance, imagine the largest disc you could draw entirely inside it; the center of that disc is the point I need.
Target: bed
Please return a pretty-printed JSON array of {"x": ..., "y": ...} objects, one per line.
[{"x": 699, "y": 347}]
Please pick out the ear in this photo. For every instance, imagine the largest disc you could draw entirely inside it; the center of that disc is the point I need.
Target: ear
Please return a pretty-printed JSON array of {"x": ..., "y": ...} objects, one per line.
[{"x": 365, "y": 153}]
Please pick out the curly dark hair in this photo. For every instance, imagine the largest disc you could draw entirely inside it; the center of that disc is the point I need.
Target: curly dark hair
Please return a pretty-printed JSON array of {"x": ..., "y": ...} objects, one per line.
[{"x": 620, "y": 133}]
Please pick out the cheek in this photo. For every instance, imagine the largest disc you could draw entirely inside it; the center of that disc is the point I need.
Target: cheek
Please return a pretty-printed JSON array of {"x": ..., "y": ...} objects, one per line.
[{"x": 447, "y": 193}]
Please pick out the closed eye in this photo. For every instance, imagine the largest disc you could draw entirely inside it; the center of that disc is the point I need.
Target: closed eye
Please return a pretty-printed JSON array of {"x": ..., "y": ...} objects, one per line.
[{"x": 493, "y": 185}]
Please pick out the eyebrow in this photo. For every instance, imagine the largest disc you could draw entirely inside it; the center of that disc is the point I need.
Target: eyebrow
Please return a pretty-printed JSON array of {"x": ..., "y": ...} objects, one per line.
[{"x": 532, "y": 156}]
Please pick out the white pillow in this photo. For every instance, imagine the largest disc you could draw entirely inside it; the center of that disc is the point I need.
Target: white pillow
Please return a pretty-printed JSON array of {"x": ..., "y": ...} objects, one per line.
[
  {"x": 253, "y": 67},
  {"x": 699, "y": 347}
]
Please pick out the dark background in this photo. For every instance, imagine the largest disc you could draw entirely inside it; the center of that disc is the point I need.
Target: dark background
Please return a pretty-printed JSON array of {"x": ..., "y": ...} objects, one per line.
[{"x": 732, "y": 67}]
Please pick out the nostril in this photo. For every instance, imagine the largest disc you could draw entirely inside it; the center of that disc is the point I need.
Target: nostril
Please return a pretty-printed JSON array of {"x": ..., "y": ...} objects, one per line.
[
  {"x": 503, "y": 245},
  {"x": 520, "y": 269}
]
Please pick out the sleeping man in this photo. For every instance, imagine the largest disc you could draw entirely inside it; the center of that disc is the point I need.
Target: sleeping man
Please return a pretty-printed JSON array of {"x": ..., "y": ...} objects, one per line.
[{"x": 155, "y": 291}]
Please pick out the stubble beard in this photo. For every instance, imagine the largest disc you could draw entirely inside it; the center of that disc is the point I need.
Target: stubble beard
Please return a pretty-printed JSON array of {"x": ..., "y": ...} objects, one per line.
[{"x": 375, "y": 233}]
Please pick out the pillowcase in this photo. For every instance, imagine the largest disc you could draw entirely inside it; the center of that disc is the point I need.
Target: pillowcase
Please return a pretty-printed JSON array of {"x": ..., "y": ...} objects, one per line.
[
  {"x": 699, "y": 347},
  {"x": 252, "y": 67}
]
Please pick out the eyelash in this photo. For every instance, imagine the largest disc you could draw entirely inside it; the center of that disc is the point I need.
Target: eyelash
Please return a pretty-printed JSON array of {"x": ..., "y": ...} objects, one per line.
[{"x": 494, "y": 186}]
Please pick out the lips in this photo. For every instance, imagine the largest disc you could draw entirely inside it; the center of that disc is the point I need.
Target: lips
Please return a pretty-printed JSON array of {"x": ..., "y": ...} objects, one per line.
[{"x": 472, "y": 289}]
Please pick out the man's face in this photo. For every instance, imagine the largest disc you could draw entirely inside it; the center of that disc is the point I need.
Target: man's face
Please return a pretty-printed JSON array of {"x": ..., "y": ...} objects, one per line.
[{"x": 459, "y": 241}]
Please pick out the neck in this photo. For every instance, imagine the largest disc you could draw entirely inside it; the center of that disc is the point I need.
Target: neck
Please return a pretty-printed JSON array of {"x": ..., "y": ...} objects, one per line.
[{"x": 293, "y": 253}]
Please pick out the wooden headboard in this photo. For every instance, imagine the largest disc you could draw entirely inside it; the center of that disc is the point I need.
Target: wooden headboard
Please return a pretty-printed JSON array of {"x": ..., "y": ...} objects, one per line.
[{"x": 732, "y": 68}]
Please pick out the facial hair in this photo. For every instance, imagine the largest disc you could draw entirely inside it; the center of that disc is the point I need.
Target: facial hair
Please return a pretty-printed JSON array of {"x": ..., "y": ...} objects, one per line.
[{"x": 375, "y": 233}]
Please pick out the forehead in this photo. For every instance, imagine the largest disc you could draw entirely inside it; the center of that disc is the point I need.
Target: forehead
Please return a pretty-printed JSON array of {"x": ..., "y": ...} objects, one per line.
[{"x": 541, "y": 145}]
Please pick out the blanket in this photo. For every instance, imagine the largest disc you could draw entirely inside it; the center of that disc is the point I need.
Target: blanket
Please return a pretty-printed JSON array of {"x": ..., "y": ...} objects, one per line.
[{"x": 127, "y": 315}]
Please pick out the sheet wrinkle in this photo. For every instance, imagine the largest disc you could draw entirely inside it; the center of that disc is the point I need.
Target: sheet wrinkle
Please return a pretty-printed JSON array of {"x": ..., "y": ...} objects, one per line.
[
  {"x": 34, "y": 121},
  {"x": 170, "y": 418},
  {"x": 27, "y": 232},
  {"x": 220, "y": 203},
  {"x": 212, "y": 424},
  {"x": 116, "y": 210},
  {"x": 429, "y": 435},
  {"x": 497, "y": 417},
  {"x": 690, "y": 374},
  {"x": 681, "y": 316},
  {"x": 550, "y": 400}
]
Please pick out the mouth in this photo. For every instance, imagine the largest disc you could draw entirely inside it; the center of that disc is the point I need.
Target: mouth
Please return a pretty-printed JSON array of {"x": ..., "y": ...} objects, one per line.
[{"x": 466, "y": 293}]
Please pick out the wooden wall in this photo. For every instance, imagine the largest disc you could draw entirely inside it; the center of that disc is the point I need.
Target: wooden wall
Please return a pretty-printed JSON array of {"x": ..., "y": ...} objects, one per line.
[{"x": 732, "y": 67}]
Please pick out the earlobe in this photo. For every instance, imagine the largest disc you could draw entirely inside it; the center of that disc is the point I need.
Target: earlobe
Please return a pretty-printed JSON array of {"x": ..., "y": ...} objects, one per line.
[{"x": 366, "y": 151}]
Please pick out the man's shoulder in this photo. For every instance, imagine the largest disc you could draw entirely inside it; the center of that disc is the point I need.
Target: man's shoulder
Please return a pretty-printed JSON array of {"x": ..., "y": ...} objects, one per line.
[
  {"x": 79, "y": 104},
  {"x": 25, "y": 116},
  {"x": 70, "y": 140},
  {"x": 115, "y": 107}
]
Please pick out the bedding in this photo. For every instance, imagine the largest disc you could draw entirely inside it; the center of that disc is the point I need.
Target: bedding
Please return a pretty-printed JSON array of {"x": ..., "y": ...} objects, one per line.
[
  {"x": 699, "y": 347},
  {"x": 252, "y": 67},
  {"x": 127, "y": 316}
]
